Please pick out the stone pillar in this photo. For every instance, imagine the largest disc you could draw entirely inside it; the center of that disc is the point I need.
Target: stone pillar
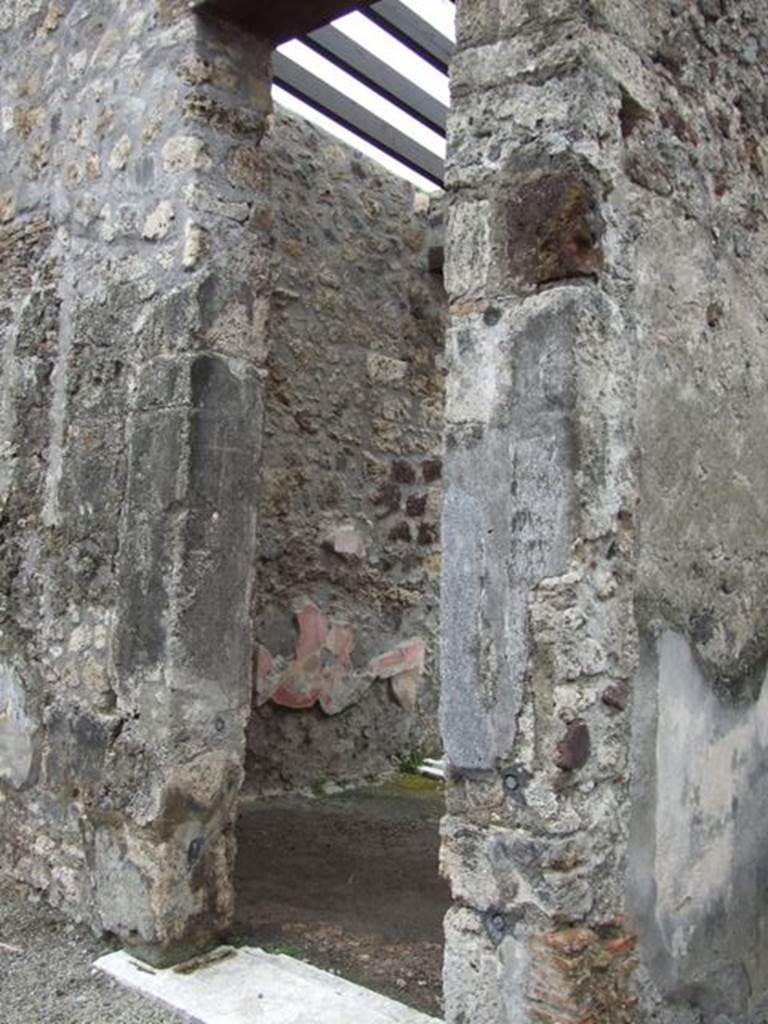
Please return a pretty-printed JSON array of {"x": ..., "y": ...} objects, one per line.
[
  {"x": 538, "y": 633},
  {"x": 135, "y": 295},
  {"x": 604, "y": 655}
]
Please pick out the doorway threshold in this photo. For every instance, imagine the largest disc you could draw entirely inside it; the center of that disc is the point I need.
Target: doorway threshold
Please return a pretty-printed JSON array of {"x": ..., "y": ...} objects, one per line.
[{"x": 249, "y": 986}]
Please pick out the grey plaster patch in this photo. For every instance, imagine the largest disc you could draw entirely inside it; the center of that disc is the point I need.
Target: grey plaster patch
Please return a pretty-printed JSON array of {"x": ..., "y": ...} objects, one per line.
[
  {"x": 700, "y": 826},
  {"x": 17, "y": 730},
  {"x": 464, "y": 719},
  {"x": 123, "y": 894}
]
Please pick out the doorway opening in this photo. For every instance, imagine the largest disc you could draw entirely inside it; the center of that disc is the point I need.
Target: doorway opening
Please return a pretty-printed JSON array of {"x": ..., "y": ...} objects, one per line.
[{"x": 338, "y": 833}]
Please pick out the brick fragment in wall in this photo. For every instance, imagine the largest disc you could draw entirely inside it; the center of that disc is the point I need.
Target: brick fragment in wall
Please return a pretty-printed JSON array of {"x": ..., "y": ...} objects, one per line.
[
  {"x": 554, "y": 227},
  {"x": 429, "y": 534},
  {"x": 431, "y": 470},
  {"x": 416, "y": 505},
  {"x": 387, "y": 498},
  {"x": 583, "y": 975},
  {"x": 403, "y": 472},
  {"x": 401, "y": 532},
  {"x": 573, "y": 749}
]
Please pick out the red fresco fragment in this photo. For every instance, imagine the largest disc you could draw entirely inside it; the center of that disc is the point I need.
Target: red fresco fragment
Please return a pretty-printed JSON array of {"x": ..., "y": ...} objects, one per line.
[
  {"x": 404, "y": 658},
  {"x": 313, "y": 628},
  {"x": 321, "y": 671}
]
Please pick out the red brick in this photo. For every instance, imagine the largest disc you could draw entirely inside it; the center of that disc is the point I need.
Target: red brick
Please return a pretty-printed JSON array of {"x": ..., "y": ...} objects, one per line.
[
  {"x": 431, "y": 470},
  {"x": 403, "y": 472},
  {"x": 416, "y": 505}
]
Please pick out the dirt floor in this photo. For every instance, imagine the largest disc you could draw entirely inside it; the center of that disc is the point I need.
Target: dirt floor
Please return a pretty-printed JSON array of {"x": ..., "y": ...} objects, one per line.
[{"x": 349, "y": 883}]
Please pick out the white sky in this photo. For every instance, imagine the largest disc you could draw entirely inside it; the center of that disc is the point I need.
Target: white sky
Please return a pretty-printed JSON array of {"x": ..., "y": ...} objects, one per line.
[{"x": 439, "y": 13}]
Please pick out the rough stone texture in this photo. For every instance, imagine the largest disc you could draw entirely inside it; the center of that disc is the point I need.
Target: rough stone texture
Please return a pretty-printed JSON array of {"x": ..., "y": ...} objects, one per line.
[
  {"x": 699, "y": 814},
  {"x": 349, "y": 553},
  {"x": 18, "y": 733},
  {"x": 695, "y": 199},
  {"x": 603, "y": 638},
  {"x": 130, "y": 421},
  {"x": 604, "y": 615}
]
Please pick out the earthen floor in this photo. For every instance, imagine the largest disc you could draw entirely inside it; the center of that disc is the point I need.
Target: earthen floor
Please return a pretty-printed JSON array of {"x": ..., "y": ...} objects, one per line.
[{"x": 349, "y": 883}]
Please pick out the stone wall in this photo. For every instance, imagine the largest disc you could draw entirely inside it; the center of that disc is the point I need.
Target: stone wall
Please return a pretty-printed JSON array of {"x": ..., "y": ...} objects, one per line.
[
  {"x": 603, "y": 636},
  {"x": 349, "y": 560},
  {"x": 134, "y": 287},
  {"x": 603, "y": 614},
  {"x": 697, "y": 206}
]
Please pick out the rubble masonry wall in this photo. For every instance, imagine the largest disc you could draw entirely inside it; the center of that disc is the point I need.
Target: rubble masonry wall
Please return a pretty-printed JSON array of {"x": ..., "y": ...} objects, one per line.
[
  {"x": 348, "y": 567},
  {"x": 603, "y": 621},
  {"x": 134, "y": 293}
]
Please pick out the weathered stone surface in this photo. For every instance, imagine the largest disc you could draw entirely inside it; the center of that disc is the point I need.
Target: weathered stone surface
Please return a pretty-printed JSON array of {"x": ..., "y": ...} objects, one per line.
[
  {"x": 129, "y": 446},
  {"x": 354, "y": 408},
  {"x": 554, "y": 226},
  {"x": 471, "y": 972},
  {"x": 517, "y": 446},
  {"x": 480, "y": 864},
  {"x": 580, "y": 165},
  {"x": 17, "y": 731},
  {"x": 698, "y": 831},
  {"x": 604, "y": 601}
]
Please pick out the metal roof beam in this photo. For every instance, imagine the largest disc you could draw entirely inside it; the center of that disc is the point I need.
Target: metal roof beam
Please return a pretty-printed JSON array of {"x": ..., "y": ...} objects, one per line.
[
  {"x": 356, "y": 60},
  {"x": 411, "y": 30},
  {"x": 323, "y": 97}
]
